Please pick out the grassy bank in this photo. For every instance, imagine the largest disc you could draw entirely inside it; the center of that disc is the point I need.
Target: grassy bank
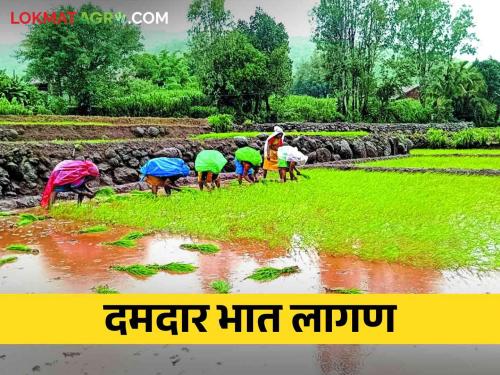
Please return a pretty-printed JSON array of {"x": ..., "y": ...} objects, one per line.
[
  {"x": 473, "y": 151},
  {"x": 439, "y": 162},
  {"x": 442, "y": 221},
  {"x": 353, "y": 134}
]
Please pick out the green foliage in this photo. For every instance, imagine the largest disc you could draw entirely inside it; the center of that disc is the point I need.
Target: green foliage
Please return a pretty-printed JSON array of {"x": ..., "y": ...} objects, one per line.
[
  {"x": 353, "y": 134},
  {"x": 104, "y": 289},
  {"x": 201, "y": 111},
  {"x": 468, "y": 138},
  {"x": 437, "y": 138},
  {"x": 345, "y": 291},
  {"x": 221, "y": 123},
  {"x": 490, "y": 69},
  {"x": 85, "y": 57},
  {"x": 440, "y": 162},
  {"x": 12, "y": 108},
  {"x": 127, "y": 241},
  {"x": 19, "y": 247},
  {"x": 26, "y": 219},
  {"x": 295, "y": 108},
  {"x": 202, "y": 248},
  {"x": 7, "y": 260},
  {"x": 407, "y": 111},
  {"x": 5, "y": 214},
  {"x": 152, "y": 269},
  {"x": 156, "y": 103},
  {"x": 94, "y": 229},
  {"x": 311, "y": 78},
  {"x": 271, "y": 273},
  {"x": 425, "y": 220},
  {"x": 221, "y": 286},
  {"x": 431, "y": 152}
]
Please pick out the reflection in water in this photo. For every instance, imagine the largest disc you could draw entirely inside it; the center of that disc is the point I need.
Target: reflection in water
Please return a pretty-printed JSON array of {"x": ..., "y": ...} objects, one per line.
[
  {"x": 69, "y": 262},
  {"x": 72, "y": 263}
]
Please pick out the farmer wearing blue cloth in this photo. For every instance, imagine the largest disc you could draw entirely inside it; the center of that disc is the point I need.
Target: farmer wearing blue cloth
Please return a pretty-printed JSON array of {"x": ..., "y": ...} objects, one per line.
[
  {"x": 164, "y": 172},
  {"x": 247, "y": 162}
]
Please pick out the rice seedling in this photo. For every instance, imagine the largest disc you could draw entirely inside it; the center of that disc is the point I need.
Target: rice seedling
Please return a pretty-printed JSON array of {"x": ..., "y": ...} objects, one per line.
[
  {"x": 439, "y": 162},
  {"x": 271, "y": 273},
  {"x": 127, "y": 241},
  {"x": 94, "y": 229},
  {"x": 140, "y": 270},
  {"x": 20, "y": 248},
  {"x": 26, "y": 219},
  {"x": 423, "y": 220},
  {"x": 202, "y": 248},
  {"x": 104, "y": 289},
  {"x": 7, "y": 260},
  {"x": 5, "y": 214},
  {"x": 472, "y": 151},
  {"x": 344, "y": 291},
  {"x": 221, "y": 286}
]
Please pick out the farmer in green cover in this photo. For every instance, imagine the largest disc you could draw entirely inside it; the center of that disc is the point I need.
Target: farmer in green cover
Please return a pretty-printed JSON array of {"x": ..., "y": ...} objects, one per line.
[
  {"x": 208, "y": 165},
  {"x": 247, "y": 162}
]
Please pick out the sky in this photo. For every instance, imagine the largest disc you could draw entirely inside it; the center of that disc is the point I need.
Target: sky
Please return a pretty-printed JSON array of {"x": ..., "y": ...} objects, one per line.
[{"x": 293, "y": 13}]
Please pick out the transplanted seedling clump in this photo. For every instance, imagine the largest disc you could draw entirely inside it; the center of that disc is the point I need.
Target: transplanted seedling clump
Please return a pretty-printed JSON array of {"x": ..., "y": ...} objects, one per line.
[
  {"x": 271, "y": 273},
  {"x": 104, "y": 289},
  {"x": 202, "y": 248},
  {"x": 128, "y": 241},
  {"x": 7, "y": 260},
  {"x": 26, "y": 219},
  {"x": 221, "y": 286},
  {"x": 21, "y": 248},
  {"x": 5, "y": 214},
  {"x": 152, "y": 269},
  {"x": 94, "y": 229},
  {"x": 344, "y": 291}
]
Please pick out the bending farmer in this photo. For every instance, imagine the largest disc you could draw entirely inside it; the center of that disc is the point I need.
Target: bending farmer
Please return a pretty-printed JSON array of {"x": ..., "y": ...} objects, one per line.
[
  {"x": 70, "y": 176},
  {"x": 273, "y": 143},
  {"x": 247, "y": 162},
  {"x": 288, "y": 160},
  {"x": 164, "y": 172},
  {"x": 208, "y": 165}
]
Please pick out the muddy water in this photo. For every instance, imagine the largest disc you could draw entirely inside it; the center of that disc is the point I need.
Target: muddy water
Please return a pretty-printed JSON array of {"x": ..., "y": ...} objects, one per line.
[{"x": 69, "y": 262}]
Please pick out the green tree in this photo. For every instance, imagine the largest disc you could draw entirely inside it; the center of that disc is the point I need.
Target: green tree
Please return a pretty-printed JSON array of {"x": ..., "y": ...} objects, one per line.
[
  {"x": 428, "y": 35},
  {"x": 83, "y": 60},
  {"x": 270, "y": 38},
  {"x": 310, "y": 78},
  {"x": 490, "y": 69},
  {"x": 462, "y": 87},
  {"x": 352, "y": 34},
  {"x": 235, "y": 71}
]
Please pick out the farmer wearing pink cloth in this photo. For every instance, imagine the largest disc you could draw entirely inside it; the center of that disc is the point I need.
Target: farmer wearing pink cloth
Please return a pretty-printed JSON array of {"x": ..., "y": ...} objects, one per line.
[{"x": 70, "y": 176}]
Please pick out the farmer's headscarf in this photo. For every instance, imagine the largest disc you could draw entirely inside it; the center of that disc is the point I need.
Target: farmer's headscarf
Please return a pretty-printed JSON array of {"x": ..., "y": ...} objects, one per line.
[
  {"x": 67, "y": 172},
  {"x": 277, "y": 131}
]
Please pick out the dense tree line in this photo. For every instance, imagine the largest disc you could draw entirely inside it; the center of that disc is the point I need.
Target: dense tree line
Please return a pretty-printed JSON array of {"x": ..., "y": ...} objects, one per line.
[{"x": 367, "y": 52}]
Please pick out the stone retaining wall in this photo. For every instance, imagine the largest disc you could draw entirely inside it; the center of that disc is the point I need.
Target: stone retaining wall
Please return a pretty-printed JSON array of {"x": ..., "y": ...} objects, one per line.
[{"x": 25, "y": 168}]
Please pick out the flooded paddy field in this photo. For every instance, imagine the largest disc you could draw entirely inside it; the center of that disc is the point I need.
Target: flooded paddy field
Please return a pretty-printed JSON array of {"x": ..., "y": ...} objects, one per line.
[{"x": 69, "y": 262}]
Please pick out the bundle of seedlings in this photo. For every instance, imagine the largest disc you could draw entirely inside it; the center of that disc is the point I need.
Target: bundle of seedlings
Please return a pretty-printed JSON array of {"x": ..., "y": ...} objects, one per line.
[
  {"x": 94, "y": 229},
  {"x": 22, "y": 248},
  {"x": 104, "y": 289},
  {"x": 271, "y": 273},
  {"x": 140, "y": 270},
  {"x": 127, "y": 241},
  {"x": 202, "y": 248},
  {"x": 5, "y": 214},
  {"x": 7, "y": 260},
  {"x": 26, "y": 219},
  {"x": 221, "y": 286},
  {"x": 344, "y": 291}
]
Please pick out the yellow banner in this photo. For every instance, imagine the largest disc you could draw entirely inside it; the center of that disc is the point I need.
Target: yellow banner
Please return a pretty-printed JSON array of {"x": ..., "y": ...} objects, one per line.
[{"x": 249, "y": 319}]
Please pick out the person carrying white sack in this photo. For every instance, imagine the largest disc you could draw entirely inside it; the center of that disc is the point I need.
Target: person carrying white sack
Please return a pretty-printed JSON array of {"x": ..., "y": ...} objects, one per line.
[{"x": 289, "y": 158}]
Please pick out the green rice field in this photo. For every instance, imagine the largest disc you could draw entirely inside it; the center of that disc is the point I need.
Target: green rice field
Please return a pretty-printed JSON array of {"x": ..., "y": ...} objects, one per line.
[{"x": 439, "y": 162}]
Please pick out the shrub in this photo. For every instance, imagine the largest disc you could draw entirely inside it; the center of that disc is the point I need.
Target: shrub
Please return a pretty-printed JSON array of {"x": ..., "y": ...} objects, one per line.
[
  {"x": 473, "y": 138},
  {"x": 408, "y": 111},
  {"x": 157, "y": 103},
  {"x": 202, "y": 111},
  {"x": 221, "y": 123},
  {"x": 13, "y": 107},
  {"x": 296, "y": 108},
  {"x": 437, "y": 138}
]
